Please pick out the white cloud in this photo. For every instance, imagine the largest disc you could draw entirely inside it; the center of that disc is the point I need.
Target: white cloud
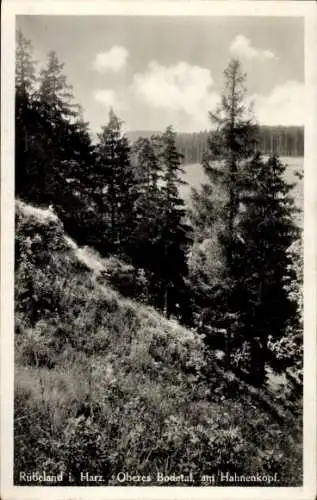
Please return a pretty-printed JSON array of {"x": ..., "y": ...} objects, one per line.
[
  {"x": 109, "y": 99},
  {"x": 184, "y": 91},
  {"x": 284, "y": 105},
  {"x": 113, "y": 60},
  {"x": 241, "y": 47}
]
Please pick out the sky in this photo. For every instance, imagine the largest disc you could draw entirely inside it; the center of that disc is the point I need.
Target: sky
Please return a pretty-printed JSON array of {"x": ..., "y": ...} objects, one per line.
[{"x": 156, "y": 71}]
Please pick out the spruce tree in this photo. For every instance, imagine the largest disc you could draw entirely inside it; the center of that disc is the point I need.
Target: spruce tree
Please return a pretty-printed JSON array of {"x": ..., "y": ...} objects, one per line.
[
  {"x": 54, "y": 154},
  {"x": 144, "y": 241},
  {"x": 231, "y": 145},
  {"x": 175, "y": 233},
  {"x": 115, "y": 192},
  {"x": 77, "y": 208},
  {"x": 252, "y": 213},
  {"x": 216, "y": 210},
  {"x": 162, "y": 237},
  {"x": 25, "y": 116},
  {"x": 55, "y": 94},
  {"x": 57, "y": 112},
  {"x": 263, "y": 264},
  {"x": 147, "y": 164},
  {"x": 25, "y": 67},
  {"x": 66, "y": 155}
]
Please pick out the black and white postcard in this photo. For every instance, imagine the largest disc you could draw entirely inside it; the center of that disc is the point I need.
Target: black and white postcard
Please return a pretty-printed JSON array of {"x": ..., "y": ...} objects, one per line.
[{"x": 158, "y": 250}]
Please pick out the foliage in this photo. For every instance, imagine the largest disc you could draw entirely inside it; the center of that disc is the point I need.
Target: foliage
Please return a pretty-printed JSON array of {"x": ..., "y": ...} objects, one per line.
[
  {"x": 262, "y": 261},
  {"x": 107, "y": 384},
  {"x": 115, "y": 188},
  {"x": 145, "y": 241},
  {"x": 279, "y": 140},
  {"x": 160, "y": 242},
  {"x": 287, "y": 351},
  {"x": 121, "y": 202},
  {"x": 216, "y": 207},
  {"x": 54, "y": 154},
  {"x": 104, "y": 384},
  {"x": 175, "y": 233},
  {"x": 247, "y": 211}
]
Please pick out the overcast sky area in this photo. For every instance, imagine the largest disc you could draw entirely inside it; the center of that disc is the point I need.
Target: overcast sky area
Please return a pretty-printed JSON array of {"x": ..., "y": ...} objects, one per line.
[{"x": 157, "y": 71}]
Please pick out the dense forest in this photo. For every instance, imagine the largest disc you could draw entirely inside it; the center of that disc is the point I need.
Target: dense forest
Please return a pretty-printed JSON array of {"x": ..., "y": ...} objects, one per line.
[
  {"x": 227, "y": 273},
  {"x": 283, "y": 141}
]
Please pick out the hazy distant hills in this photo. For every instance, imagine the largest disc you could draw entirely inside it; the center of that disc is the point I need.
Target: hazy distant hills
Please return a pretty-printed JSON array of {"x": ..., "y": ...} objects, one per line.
[{"x": 284, "y": 141}]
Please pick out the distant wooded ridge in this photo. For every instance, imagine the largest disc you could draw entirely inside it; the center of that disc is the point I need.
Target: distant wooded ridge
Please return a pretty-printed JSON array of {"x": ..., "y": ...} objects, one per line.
[{"x": 284, "y": 141}]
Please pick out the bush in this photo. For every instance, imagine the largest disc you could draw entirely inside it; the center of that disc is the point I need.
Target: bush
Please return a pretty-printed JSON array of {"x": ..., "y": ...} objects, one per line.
[{"x": 105, "y": 384}]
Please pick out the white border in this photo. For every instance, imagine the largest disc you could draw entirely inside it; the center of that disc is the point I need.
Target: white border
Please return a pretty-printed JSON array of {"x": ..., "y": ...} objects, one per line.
[{"x": 306, "y": 9}]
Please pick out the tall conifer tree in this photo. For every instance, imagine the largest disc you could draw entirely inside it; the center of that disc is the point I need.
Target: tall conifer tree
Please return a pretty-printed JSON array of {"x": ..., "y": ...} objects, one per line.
[
  {"x": 252, "y": 211},
  {"x": 25, "y": 116},
  {"x": 54, "y": 154},
  {"x": 231, "y": 146},
  {"x": 263, "y": 263},
  {"x": 176, "y": 237},
  {"x": 116, "y": 187},
  {"x": 146, "y": 236}
]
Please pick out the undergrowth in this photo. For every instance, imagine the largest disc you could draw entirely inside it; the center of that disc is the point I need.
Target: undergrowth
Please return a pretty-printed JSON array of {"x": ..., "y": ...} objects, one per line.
[{"x": 106, "y": 385}]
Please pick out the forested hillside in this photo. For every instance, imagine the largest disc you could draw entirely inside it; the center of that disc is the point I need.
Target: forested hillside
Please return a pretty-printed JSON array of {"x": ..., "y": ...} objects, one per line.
[
  {"x": 148, "y": 331},
  {"x": 105, "y": 384},
  {"x": 283, "y": 141}
]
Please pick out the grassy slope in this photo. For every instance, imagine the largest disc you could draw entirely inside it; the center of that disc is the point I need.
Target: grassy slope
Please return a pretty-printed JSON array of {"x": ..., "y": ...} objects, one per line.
[{"x": 158, "y": 402}]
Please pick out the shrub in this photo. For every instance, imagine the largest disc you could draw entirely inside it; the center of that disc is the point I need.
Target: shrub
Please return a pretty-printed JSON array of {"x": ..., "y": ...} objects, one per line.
[{"x": 105, "y": 384}]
